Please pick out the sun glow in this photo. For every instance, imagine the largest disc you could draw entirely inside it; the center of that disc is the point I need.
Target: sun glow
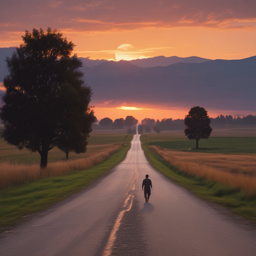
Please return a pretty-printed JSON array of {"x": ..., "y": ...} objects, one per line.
[
  {"x": 127, "y": 52},
  {"x": 129, "y": 108}
]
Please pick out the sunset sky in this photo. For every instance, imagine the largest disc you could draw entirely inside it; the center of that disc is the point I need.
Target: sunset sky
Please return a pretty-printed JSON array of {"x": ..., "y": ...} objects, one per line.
[{"x": 220, "y": 29}]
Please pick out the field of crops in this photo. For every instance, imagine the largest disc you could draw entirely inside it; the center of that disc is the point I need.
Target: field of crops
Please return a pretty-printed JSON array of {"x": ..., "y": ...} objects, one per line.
[
  {"x": 230, "y": 140},
  {"x": 98, "y": 141}
]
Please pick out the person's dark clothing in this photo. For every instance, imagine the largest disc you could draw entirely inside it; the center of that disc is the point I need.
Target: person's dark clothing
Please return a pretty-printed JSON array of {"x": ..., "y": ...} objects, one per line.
[{"x": 147, "y": 184}]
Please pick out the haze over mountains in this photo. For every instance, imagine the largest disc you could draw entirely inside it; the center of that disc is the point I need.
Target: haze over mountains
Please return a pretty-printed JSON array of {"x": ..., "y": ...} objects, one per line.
[
  {"x": 214, "y": 84},
  {"x": 149, "y": 62},
  {"x": 173, "y": 81}
]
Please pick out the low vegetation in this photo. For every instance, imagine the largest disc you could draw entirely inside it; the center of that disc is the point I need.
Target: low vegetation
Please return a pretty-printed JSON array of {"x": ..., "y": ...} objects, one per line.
[
  {"x": 19, "y": 174},
  {"x": 97, "y": 142},
  {"x": 227, "y": 177},
  {"x": 241, "y": 175},
  {"x": 18, "y": 202},
  {"x": 220, "y": 144}
]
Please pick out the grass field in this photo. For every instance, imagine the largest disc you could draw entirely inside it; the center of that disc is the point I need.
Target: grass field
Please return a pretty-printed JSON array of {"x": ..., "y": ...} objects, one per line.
[
  {"x": 224, "y": 144},
  {"x": 222, "y": 171},
  {"x": 232, "y": 163},
  {"x": 17, "y": 203},
  {"x": 98, "y": 141},
  {"x": 25, "y": 190},
  {"x": 234, "y": 199},
  {"x": 13, "y": 175}
]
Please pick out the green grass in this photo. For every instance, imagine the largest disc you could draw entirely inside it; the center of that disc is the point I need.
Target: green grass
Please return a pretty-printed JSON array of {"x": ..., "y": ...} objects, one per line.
[
  {"x": 226, "y": 145},
  {"x": 96, "y": 142},
  {"x": 236, "y": 201},
  {"x": 15, "y": 203}
]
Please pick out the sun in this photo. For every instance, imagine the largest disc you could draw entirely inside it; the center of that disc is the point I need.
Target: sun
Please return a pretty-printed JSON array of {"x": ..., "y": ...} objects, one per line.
[{"x": 125, "y": 52}]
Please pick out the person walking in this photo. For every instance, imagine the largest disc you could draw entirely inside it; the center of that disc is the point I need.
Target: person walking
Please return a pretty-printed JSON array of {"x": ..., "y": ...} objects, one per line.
[{"x": 147, "y": 185}]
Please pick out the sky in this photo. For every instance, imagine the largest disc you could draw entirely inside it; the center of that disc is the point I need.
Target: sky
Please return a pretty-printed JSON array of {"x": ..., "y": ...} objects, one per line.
[{"x": 220, "y": 29}]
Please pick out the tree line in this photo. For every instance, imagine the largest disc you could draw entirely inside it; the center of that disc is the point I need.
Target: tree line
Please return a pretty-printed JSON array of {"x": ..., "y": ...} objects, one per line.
[
  {"x": 230, "y": 120},
  {"x": 119, "y": 123},
  {"x": 149, "y": 124}
]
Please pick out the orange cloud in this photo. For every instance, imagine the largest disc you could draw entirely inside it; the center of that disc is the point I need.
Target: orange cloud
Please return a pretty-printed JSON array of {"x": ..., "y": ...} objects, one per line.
[
  {"x": 110, "y": 15},
  {"x": 97, "y": 25},
  {"x": 129, "y": 108}
]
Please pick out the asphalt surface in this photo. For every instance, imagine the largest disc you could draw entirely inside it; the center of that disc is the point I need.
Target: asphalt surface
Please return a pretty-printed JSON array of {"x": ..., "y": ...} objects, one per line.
[{"x": 112, "y": 218}]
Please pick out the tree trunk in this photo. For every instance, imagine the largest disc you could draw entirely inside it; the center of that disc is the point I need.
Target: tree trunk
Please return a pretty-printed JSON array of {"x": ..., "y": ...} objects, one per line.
[
  {"x": 44, "y": 158},
  {"x": 197, "y": 144},
  {"x": 66, "y": 155}
]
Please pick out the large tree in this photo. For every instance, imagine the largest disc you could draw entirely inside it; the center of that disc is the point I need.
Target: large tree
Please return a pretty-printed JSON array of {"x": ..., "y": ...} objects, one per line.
[
  {"x": 198, "y": 124},
  {"x": 43, "y": 83}
]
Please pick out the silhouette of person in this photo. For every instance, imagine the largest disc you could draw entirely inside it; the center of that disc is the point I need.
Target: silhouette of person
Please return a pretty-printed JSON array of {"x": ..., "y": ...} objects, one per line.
[{"x": 147, "y": 184}]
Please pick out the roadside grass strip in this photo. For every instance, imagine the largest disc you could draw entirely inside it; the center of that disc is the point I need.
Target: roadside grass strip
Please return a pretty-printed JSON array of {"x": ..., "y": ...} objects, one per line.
[
  {"x": 19, "y": 202},
  {"x": 238, "y": 200}
]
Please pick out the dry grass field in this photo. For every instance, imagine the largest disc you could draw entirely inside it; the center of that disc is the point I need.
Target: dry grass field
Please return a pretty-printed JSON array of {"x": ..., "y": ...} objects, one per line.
[
  {"x": 18, "y": 167},
  {"x": 97, "y": 142},
  {"x": 19, "y": 174},
  {"x": 227, "y": 157},
  {"x": 236, "y": 170},
  {"x": 232, "y": 163}
]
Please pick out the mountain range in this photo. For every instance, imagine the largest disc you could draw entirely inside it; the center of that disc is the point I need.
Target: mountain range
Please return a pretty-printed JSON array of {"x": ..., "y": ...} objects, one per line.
[
  {"x": 170, "y": 81},
  {"x": 145, "y": 63},
  {"x": 149, "y": 62},
  {"x": 214, "y": 84}
]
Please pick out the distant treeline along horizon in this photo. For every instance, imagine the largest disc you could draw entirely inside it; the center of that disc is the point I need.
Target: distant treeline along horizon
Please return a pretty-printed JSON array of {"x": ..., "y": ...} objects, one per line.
[{"x": 169, "y": 123}]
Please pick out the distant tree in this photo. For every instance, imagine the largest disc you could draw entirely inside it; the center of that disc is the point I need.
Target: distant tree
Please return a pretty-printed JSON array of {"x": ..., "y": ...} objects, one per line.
[
  {"x": 148, "y": 121},
  {"x": 198, "y": 124},
  {"x": 118, "y": 123},
  {"x": 42, "y": 79},
  {"x": 156, "y": 128},
  {"x": 140, "y": 129},
  {"x": 106, "y": 123},
  {"x": 130, "y": 121}
]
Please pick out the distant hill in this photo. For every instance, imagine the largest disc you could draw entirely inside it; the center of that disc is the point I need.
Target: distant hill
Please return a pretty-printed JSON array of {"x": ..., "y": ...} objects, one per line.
[
  {"x": 149, "y": 62},
  {"x": 91, "y": 63},
  {"x": 165, "y": 61},
  {"x": 215, "y": 84}
]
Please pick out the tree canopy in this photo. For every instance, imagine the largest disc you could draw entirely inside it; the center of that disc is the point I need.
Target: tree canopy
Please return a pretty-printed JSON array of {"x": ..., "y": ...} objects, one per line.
[
  {"x": 148, "y": 121},
  {"x": 130, "y": 121},
  {"x": 45, "y": 101},
  {"x": 106, "y": 123},
  {"x": 118, "y": 123},
  {"x": 198, "y": 124}
]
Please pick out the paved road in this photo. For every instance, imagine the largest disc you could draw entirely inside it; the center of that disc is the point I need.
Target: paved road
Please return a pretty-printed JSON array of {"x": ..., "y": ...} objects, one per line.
[{"x": 111, "y": 218}]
